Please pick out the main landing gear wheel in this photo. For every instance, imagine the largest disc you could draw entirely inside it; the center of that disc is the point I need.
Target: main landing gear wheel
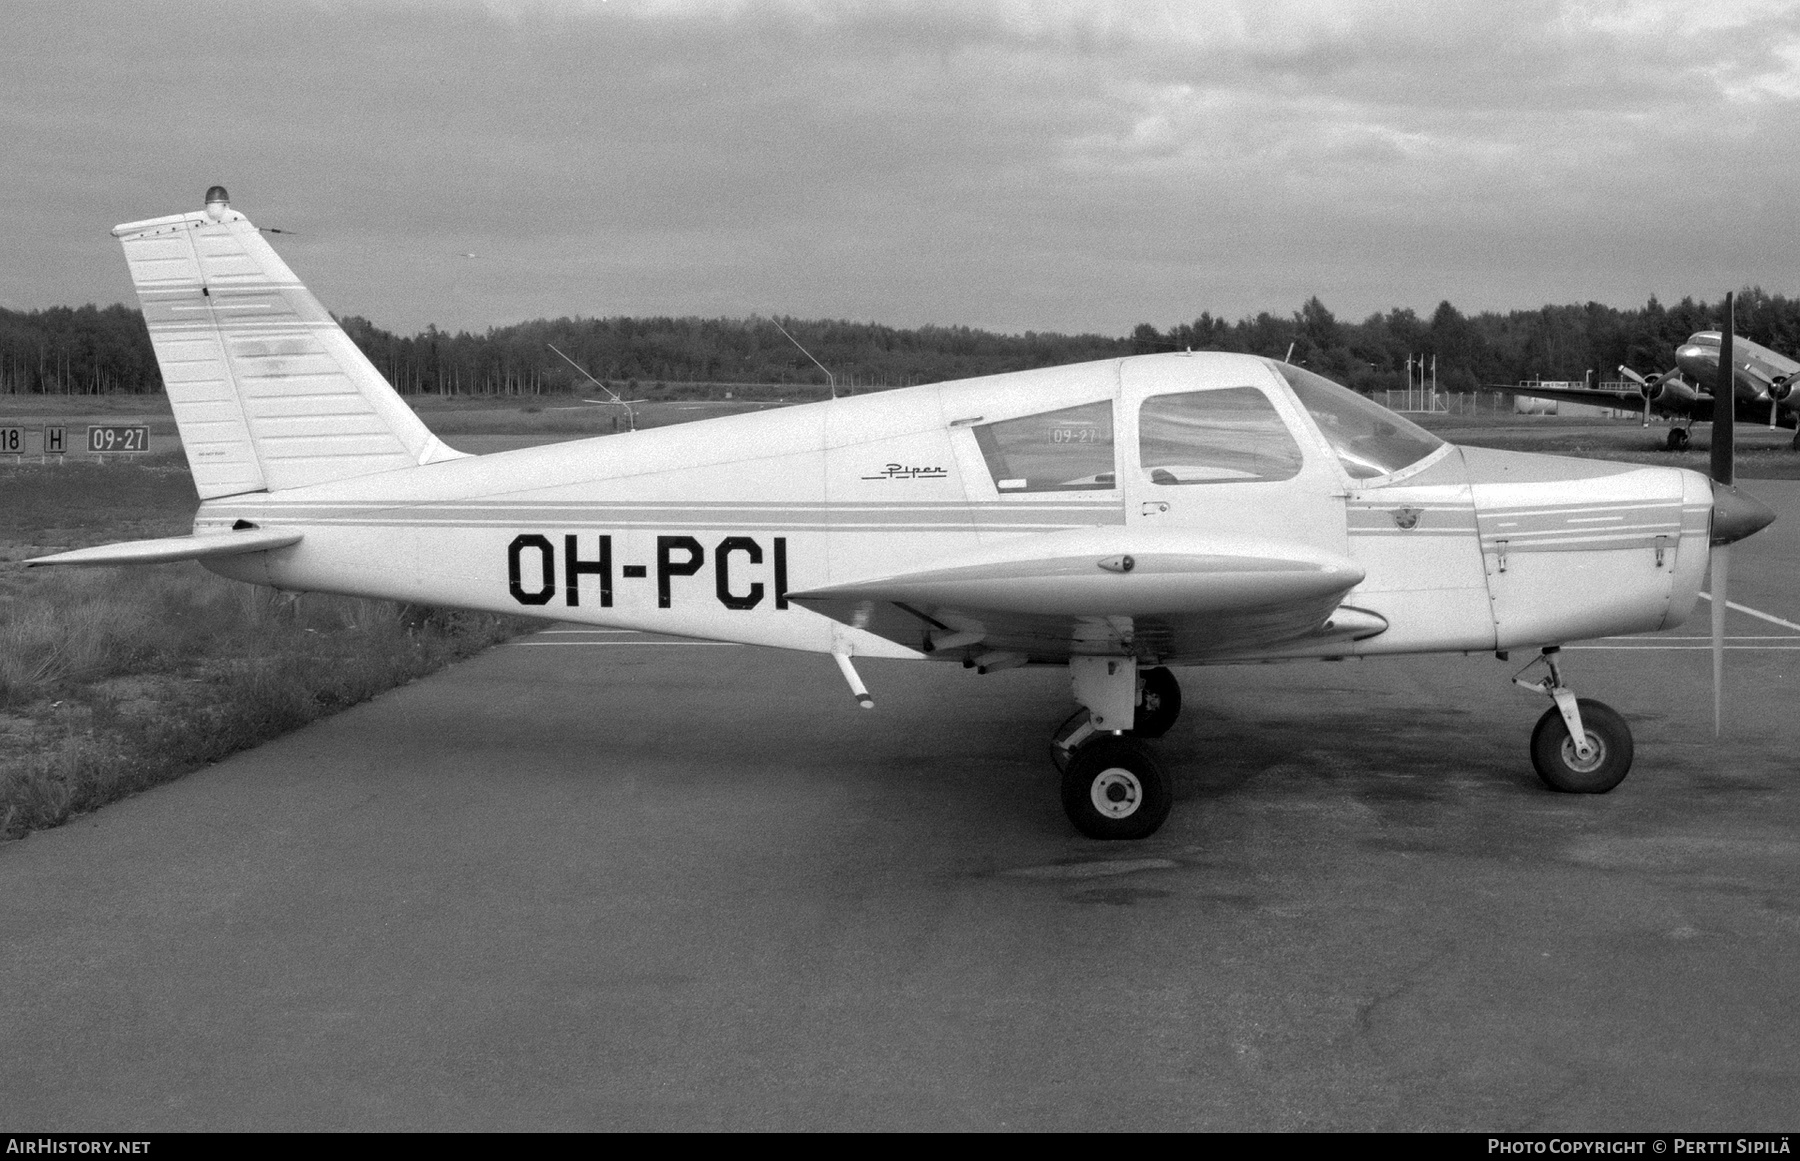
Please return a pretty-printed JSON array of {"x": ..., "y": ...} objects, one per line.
[
  {"x": 1561, "y": 768},
  {"x": 1678, "y": 439},
  {"x": 1116, "y": 788},
  {"x": 1160, "y": 705}
]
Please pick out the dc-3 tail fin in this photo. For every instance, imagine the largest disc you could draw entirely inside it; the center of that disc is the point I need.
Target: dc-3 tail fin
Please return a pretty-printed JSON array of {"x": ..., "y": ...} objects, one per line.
[{"x": 268, "y": 391}]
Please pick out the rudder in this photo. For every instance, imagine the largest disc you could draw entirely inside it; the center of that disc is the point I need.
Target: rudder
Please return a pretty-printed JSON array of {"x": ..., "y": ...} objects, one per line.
[{"x": 268, "y": 391}]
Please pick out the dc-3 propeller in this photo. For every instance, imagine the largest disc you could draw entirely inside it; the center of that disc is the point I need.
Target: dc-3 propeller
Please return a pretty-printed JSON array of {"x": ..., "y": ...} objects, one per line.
[
  {"x": 1735, "y": 514},
  {"x": 1648, "y": 388}
]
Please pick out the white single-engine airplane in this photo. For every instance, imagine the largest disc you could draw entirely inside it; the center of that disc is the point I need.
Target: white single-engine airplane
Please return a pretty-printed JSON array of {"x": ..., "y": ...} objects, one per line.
[{"x": 1114, "y": 517}]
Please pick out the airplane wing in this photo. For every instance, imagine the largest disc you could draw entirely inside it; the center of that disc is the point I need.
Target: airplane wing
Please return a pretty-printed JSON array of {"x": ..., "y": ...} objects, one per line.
[
  {"x": 1166, "y": 593},
  {"x": 1682, "y": 401},
  {"x": 1593, "y": 396}
]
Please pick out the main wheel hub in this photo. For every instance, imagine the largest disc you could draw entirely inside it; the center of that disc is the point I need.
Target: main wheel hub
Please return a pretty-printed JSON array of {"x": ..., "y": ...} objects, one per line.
[
  {"x": 1116, "y": 793},
  {"x": 1573, "y": 760}
]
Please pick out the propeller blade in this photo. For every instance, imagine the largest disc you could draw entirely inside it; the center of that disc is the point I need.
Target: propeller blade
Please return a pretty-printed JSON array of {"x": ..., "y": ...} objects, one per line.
[
  {"x": 1724, "y": 469},
  {"x": 1645, "y": 388},
  {"x": 1721, "y": 581},
  {"x": 1724, "y": 403}
]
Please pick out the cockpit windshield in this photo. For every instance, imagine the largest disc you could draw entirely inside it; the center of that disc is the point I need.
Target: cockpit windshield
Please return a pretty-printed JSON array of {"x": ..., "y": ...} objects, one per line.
[{"x": 1369, "y": 439}]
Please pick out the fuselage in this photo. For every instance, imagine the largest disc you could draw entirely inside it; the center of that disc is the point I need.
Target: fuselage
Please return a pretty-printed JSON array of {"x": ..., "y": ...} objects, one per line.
[
  {"x": 706, "y": 529},
  {"x": 1761, "y": 378}
]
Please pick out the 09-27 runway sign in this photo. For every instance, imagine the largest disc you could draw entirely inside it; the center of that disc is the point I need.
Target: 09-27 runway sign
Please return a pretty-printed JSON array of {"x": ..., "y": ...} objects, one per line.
[{"x": 112, "y": 438}]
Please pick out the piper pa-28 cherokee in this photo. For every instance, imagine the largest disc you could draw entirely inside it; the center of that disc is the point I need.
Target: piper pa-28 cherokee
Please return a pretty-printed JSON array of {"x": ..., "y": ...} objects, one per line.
[
  {"x": 1115, "y": 517},
  {"x": 1765, "y": 386}
]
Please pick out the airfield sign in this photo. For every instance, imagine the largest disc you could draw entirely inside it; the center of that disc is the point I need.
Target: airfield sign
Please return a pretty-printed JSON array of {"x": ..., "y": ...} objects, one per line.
[
  {"x": 52, "y": 439},
  {"x": 114, "y": 438}
]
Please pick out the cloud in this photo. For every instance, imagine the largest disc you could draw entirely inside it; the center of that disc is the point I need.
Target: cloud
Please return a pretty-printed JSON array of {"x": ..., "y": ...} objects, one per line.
[{"x": 1069, "y": 166}]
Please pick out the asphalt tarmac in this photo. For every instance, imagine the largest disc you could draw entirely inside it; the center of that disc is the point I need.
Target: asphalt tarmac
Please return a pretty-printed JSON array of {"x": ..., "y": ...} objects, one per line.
[{"x": 594, "y": 881}]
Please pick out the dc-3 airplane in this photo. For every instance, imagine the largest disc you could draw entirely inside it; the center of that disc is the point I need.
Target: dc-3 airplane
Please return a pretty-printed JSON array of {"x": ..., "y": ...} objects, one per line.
[
  {"x": 1763, "y": 387},
  {"x": 1114, "y": 517}
]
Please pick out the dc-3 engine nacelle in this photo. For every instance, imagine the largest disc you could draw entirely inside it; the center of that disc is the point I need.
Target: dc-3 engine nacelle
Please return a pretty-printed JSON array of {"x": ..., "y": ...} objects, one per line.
[{"x": 1671, "y": 389}]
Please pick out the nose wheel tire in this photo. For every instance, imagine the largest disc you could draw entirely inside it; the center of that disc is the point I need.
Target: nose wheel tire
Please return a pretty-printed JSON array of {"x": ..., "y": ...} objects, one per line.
[
  {"x": 1160, "y": 706},
  {"x": 1678, "y": 439},
  {"x": 1561, "y": 768},
  {"x": 1116, "y": 788}
]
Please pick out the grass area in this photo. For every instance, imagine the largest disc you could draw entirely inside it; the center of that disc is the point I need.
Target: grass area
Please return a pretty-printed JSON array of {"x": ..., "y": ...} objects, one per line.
[
  {"x": 113, "y": 680},
  {"x": 84, "y": 502}
]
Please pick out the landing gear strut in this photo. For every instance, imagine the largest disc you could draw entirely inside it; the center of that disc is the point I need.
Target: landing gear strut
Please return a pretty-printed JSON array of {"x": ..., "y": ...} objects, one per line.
[
  {"x": 1580, "y": 746},
  {"x": 1114, "y": 786}
]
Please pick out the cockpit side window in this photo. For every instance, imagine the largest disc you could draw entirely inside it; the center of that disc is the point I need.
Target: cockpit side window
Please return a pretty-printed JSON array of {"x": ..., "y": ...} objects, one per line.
[
  {"x": 1058, "y": 451},
  {"x": 1227, "y": 436}
]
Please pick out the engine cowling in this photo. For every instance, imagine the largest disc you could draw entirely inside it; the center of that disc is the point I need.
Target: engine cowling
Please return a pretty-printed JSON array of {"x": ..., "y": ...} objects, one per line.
[{"x": 1672, "y": 388}]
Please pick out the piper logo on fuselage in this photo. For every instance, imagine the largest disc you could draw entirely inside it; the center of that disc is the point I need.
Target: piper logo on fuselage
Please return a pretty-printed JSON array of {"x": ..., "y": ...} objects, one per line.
[{"x": 534, "y": 578}]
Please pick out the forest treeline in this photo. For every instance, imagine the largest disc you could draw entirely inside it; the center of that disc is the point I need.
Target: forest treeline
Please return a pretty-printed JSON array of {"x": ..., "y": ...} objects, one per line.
[{"x": 98, "y": 350}]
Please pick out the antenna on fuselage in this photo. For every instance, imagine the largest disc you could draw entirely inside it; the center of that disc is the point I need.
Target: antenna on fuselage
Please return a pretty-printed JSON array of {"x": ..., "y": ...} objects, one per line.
[
  {"x": 630, "y": 415},
  {"x": 1289, "y": 357},
  {"x": 830, "y": 379}
]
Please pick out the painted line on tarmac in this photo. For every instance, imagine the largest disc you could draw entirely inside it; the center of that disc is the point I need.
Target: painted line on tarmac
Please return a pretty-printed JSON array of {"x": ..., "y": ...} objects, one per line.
[
  {"x": 1656, "y": 648},
  {"x": 615, "y": 644},
  {"x": 1769, "y": 617},
  {"x": 1745, "y": 637}
]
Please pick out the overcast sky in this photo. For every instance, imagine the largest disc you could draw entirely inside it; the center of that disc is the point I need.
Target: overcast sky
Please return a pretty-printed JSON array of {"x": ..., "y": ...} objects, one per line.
[{"x": 1008, "y": 165}]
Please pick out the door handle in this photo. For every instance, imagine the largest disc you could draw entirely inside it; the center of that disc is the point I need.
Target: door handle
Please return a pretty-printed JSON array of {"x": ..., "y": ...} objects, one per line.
[{"x": 1153, "y": 507}]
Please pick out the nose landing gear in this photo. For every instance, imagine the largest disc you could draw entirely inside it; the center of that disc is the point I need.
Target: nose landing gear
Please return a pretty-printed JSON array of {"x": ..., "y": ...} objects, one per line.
[
  {"x": 1678, "y": 439},
  {"x": 1579, "y": 746},
  {"x": 1114, "y": 786}
]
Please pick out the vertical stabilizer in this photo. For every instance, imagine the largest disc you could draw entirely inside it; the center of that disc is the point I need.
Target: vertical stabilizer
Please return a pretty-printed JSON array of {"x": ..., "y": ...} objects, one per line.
[{"x": 268, "y": 391}]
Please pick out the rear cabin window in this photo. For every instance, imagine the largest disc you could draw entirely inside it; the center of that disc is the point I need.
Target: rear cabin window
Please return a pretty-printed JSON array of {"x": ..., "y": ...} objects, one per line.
[
  {"x": 1228, "y": 436},
  {"x": 1059, "y": 451}
]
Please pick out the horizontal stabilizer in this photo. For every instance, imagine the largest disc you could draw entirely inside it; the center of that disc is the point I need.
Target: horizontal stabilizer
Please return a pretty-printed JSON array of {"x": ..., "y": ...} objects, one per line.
[{"x": 173, "y": 548}]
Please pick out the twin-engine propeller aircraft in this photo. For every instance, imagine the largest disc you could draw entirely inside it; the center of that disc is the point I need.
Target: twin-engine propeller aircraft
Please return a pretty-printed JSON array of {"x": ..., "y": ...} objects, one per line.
[
  {"x": 1764, "y": 387},
  {"x": 1115, "y": 518}
]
